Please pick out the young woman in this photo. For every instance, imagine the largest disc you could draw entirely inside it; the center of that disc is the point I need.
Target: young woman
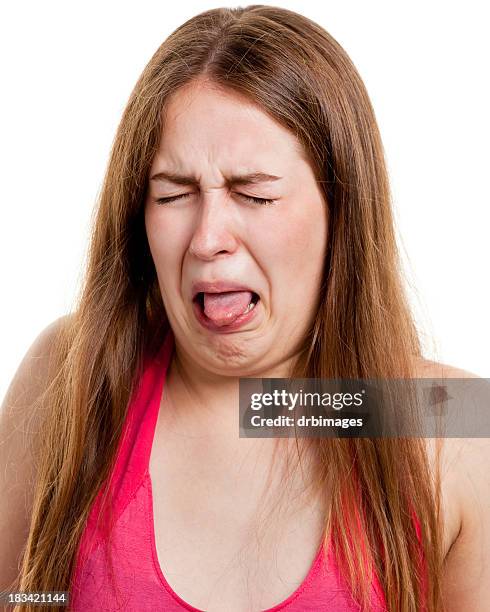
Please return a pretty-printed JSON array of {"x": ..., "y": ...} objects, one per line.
[{"x": 244, "y": 230}]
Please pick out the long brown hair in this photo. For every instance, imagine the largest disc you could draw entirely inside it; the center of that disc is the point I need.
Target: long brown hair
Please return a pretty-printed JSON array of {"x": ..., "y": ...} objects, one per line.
[{"x": 300, "y": 75}]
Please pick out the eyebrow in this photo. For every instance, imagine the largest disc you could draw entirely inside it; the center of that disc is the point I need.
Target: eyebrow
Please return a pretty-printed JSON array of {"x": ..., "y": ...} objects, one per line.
[{"x": 251, "y": 178}]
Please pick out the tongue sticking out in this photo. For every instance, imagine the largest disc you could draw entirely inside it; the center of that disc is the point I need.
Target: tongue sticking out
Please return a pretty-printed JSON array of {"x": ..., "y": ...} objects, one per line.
[{"x": 224, "y": 308}]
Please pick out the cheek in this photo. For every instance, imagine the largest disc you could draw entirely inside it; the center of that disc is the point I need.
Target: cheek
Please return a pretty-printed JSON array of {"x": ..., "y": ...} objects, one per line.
[
  {"x": 165, "y": 236},
  {"x": 302, "y": 249},
  {"x": 299, "y": 243},
  {"x": 293, "y": 255}
]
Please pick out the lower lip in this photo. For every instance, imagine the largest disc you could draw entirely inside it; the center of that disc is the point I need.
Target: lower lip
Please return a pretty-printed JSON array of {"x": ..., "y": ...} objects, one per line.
[{"x": 239, "y": 322}]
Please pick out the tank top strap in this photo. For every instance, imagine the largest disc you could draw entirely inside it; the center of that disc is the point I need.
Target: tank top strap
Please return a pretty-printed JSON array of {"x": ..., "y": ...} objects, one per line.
[
  {"x": 135, "y": 447},
  {"x": 133, "y": 454}
]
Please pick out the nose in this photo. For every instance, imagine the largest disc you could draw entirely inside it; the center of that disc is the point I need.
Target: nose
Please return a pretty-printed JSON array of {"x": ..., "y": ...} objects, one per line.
[{"x": 214, "y": 232}]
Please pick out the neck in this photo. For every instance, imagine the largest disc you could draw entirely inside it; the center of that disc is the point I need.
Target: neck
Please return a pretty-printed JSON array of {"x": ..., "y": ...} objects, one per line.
[
  {"x": 201, "y": 408},
  {"x": 206, "y": 401}
]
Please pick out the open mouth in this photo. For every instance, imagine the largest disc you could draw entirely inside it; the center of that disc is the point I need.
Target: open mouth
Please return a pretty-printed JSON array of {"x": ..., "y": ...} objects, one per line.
[
  {"x": 225, "y": 311},
  {"x": 199, "y": 299}
]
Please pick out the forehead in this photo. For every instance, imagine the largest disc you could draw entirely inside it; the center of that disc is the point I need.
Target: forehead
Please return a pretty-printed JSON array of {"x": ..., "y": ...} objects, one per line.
[{"x": 205, "y": 123}]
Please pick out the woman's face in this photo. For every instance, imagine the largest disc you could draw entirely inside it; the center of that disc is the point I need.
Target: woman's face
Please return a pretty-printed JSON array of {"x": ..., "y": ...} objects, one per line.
[{"x": 214, "y": 233}]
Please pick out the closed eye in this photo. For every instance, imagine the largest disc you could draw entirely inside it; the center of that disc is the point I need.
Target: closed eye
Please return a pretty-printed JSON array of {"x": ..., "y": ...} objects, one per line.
[{"x": 259, "y": 201}]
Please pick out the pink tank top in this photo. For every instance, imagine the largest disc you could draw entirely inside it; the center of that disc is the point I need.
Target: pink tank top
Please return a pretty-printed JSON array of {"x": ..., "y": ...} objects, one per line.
[{"x": 137, "y": 582}]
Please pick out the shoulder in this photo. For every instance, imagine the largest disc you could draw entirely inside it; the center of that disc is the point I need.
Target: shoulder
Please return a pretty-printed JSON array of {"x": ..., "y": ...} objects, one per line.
[
  {"x": 425, "y": 368},
  {"x": 465, "y": 469},
  {"x": 460, "y": 453},
  {"x": 43, "y": 343},
  {"x": 20, "y": 413},
  {"x": 34, "y": 369}
]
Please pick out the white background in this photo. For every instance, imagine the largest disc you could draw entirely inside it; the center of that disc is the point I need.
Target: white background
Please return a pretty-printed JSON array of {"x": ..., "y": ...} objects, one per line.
[{"x": 67, "y": 72}]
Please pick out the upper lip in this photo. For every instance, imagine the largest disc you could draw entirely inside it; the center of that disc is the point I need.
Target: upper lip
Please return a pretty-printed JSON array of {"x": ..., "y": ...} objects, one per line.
[{"x": 217, "y": 286}]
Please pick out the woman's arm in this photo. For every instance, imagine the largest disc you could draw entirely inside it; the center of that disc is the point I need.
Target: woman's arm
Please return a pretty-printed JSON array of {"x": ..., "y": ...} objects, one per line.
[
  {"x": 466, "y": 581},
  {"x": 19, "y": 422}
]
